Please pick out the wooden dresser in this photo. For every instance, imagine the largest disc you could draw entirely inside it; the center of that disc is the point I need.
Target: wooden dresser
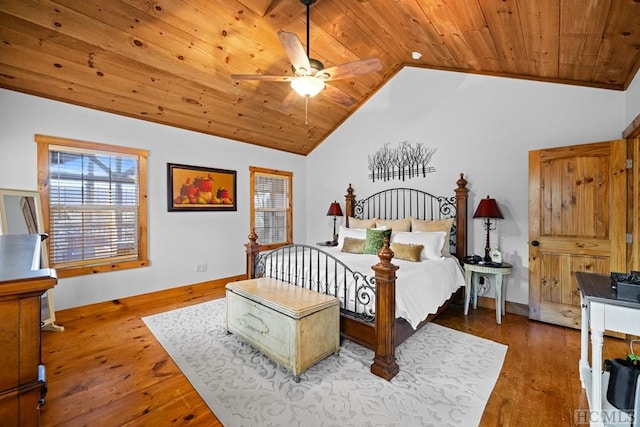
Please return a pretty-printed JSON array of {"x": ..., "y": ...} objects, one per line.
[{"x": 22, "y": 282}]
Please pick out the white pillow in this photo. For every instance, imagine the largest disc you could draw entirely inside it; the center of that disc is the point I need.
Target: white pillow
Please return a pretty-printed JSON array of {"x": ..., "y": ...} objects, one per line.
[
  {"x": 432, "y": 242},
  {"x": 435, "y": 225},
  {"x": 355, "y": 233}
]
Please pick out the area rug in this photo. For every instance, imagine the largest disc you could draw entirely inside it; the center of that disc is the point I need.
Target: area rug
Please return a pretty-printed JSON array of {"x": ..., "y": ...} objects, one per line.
[{"x": 445, "y": 377}]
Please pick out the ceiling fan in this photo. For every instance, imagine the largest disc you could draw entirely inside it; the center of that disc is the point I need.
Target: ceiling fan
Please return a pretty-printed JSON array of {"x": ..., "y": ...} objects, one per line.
[{"x": 310, "y": 77}]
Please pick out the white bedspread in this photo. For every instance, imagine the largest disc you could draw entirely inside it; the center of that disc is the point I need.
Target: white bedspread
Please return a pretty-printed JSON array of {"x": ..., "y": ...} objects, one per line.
[{"x": 421, "y": 287}]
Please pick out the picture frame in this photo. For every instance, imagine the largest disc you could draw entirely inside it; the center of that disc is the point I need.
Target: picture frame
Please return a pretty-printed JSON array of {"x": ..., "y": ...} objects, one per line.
[{"x": 197, "y": 188}]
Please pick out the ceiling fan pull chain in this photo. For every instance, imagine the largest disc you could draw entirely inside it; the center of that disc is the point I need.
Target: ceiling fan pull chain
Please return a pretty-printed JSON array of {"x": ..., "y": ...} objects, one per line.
[{"x": 306, "y": 108}]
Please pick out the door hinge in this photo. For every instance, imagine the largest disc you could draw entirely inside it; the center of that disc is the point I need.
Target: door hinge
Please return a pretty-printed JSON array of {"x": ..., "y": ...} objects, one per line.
[
  {"x": 629, "y": 163},
  {"x": 629, "y": 238}
]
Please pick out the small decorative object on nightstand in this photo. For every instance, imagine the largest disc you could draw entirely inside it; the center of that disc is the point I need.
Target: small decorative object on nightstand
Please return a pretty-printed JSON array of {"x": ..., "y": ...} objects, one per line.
[
  {"x": 472, "y": 275},
  {"x": 328, "y": 243},
  {"x": 496, "y": 256},
  {"x": 335, "y": 210}
]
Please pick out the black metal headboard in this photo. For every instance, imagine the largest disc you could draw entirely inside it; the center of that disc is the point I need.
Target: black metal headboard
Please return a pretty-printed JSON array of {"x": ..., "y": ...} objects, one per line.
[{"x": 399, "y": 203}]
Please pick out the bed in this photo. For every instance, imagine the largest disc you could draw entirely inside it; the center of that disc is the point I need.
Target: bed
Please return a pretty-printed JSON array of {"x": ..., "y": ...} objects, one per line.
[{"x": 379, "y": 294}]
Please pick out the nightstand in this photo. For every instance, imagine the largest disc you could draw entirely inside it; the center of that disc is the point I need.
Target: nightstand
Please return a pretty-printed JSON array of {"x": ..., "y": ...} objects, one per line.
[
  {"x": 472, "y": 276},
  {"x": 328, "y": 243}
]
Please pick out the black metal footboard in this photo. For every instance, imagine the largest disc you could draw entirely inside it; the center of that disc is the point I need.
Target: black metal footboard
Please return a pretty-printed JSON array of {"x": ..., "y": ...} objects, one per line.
[{"x": 312, "y": 268}]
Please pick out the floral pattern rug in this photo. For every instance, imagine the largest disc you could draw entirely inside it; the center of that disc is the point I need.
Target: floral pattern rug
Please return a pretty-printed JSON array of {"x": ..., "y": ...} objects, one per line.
[{"x": 445, "y": 379}]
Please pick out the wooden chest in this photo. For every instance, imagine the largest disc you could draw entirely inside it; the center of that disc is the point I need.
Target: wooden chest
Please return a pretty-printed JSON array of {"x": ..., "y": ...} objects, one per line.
[{"x": 293, "y": 326}]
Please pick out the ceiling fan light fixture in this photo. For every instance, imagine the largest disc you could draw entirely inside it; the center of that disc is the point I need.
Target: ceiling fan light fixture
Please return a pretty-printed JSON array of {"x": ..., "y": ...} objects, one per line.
[
  {"x": 309, "y": 74},
  {"x": 307, "y": 85}
]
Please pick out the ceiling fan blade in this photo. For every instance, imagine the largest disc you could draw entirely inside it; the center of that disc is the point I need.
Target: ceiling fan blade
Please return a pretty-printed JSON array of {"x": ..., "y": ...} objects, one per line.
[
  {"x": 295, "y": 51},
  {"x": 339, "y": 96},
  {"x": 264, "y": 77},
  {"x": 350, "y": 69},
  {"x": 290, "y": 99}
]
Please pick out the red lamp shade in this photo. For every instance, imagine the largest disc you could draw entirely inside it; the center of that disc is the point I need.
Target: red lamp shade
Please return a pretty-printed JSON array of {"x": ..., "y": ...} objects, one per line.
[
  {"x": 488, "y": 208},
  {"x": 334, "y": 209}
]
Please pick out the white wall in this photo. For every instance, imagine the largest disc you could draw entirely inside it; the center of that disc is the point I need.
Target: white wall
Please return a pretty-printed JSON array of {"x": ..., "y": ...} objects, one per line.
[
  {"x": 482, "y": 126},
  {"x": 633, "y": 100},
  {"x": 177, "y": 240}
]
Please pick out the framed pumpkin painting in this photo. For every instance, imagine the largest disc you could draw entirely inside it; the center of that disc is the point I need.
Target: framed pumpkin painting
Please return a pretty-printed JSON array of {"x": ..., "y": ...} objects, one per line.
[{"x": 195, "y": 188}]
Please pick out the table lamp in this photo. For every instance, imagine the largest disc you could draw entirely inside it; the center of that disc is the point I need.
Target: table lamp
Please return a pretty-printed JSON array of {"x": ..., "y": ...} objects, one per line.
[
  {"x": 488, "y": 209},
  {"x": 335, "y": 210}
]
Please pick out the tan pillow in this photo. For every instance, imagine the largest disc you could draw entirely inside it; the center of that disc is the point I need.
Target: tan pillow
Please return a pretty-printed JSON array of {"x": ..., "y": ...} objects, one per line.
[
  {"x": 395, "y": 224},
  {"x": 406, "y": 251},
  {"x": 353, "y": 246},
  {"x": 362, "y": 223},
  {"x": 435, "y": 225},
  {"x": 354, "y": 233}
]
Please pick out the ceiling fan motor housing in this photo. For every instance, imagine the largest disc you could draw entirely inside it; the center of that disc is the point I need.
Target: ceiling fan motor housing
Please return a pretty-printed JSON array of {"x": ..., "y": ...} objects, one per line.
[{"x": 315, "y": 67}]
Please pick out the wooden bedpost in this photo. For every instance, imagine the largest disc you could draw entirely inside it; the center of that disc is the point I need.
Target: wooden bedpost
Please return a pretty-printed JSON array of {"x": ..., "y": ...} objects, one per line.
[
  {"x": 384, "y": 363},
  {"x": 252, "y": 250},
  {"x": 461, "y": 217},
  {"x": 349, "y": 200}
]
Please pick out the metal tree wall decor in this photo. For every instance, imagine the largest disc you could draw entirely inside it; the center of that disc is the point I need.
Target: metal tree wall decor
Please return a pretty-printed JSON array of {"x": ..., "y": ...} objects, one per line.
[{"x": 403, "y": 162}]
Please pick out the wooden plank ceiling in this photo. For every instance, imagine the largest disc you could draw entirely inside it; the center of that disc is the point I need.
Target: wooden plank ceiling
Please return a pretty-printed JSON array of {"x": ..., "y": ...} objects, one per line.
[{"x": 170, "y": 61}]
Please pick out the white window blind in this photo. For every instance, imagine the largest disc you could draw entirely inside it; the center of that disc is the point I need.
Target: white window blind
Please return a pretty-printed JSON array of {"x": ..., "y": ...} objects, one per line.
[
  {"x": 93, "y": 205},
  {"x": 271, "y": 202}
]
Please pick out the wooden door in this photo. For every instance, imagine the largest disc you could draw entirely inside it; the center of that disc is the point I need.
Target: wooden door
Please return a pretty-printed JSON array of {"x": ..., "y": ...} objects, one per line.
[{"x": 577, "y": 222}]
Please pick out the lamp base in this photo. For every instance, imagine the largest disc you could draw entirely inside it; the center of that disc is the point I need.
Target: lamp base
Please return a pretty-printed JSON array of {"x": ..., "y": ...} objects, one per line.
[
  {"x": 487, "y": 244},
  {"x": 487, "y": 255}
]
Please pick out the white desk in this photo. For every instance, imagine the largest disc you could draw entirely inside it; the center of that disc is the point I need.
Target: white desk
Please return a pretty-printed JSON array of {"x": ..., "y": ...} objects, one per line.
[
  {"x": 601, "y": 310},
  {"x": 471, "y": 285}
]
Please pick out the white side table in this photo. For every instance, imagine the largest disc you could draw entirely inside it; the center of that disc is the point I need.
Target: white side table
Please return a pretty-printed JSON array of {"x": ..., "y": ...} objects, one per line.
[
  {"x": 471, "y": 285},
  {"x": 601, "y": 310}
]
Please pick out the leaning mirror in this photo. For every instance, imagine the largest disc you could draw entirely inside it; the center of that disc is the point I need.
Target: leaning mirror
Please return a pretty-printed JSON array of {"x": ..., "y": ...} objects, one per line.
[{"x": 21, "y": 213}]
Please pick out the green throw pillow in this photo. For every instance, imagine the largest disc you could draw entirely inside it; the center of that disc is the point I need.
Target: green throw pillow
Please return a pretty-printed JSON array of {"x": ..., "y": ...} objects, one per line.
[{"x": 375, "y": 239}]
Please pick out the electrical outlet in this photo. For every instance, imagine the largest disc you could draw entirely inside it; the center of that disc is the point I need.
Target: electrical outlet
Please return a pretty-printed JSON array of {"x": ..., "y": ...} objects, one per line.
[
  {"x": 198, "y": 268},
  {"x": 203, "y": 267},
  {"x": 483, "y": 285}
]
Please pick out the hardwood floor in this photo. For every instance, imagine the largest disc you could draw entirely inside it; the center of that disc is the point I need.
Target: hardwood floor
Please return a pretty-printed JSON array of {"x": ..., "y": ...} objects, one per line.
[{"x": 107, "y": 369}]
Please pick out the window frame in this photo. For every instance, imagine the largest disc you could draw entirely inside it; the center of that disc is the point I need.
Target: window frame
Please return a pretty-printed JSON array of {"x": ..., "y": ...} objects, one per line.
[
  {"x": 44, "y": 143},
  {"x": 253, "y": 171}
]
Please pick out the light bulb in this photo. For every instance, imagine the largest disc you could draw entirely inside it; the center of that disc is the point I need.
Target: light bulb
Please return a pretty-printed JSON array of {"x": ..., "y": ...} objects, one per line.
[{"x": 307, "y": 85}]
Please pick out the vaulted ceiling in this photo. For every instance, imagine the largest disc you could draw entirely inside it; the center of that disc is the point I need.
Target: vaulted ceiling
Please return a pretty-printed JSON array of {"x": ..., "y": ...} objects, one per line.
[{"x": 171, "y": 61}]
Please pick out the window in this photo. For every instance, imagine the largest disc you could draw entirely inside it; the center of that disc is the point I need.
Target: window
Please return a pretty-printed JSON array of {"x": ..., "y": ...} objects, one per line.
[
  {"x": 94, "y": 205},
  {"x": 271, "y": 206}
]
